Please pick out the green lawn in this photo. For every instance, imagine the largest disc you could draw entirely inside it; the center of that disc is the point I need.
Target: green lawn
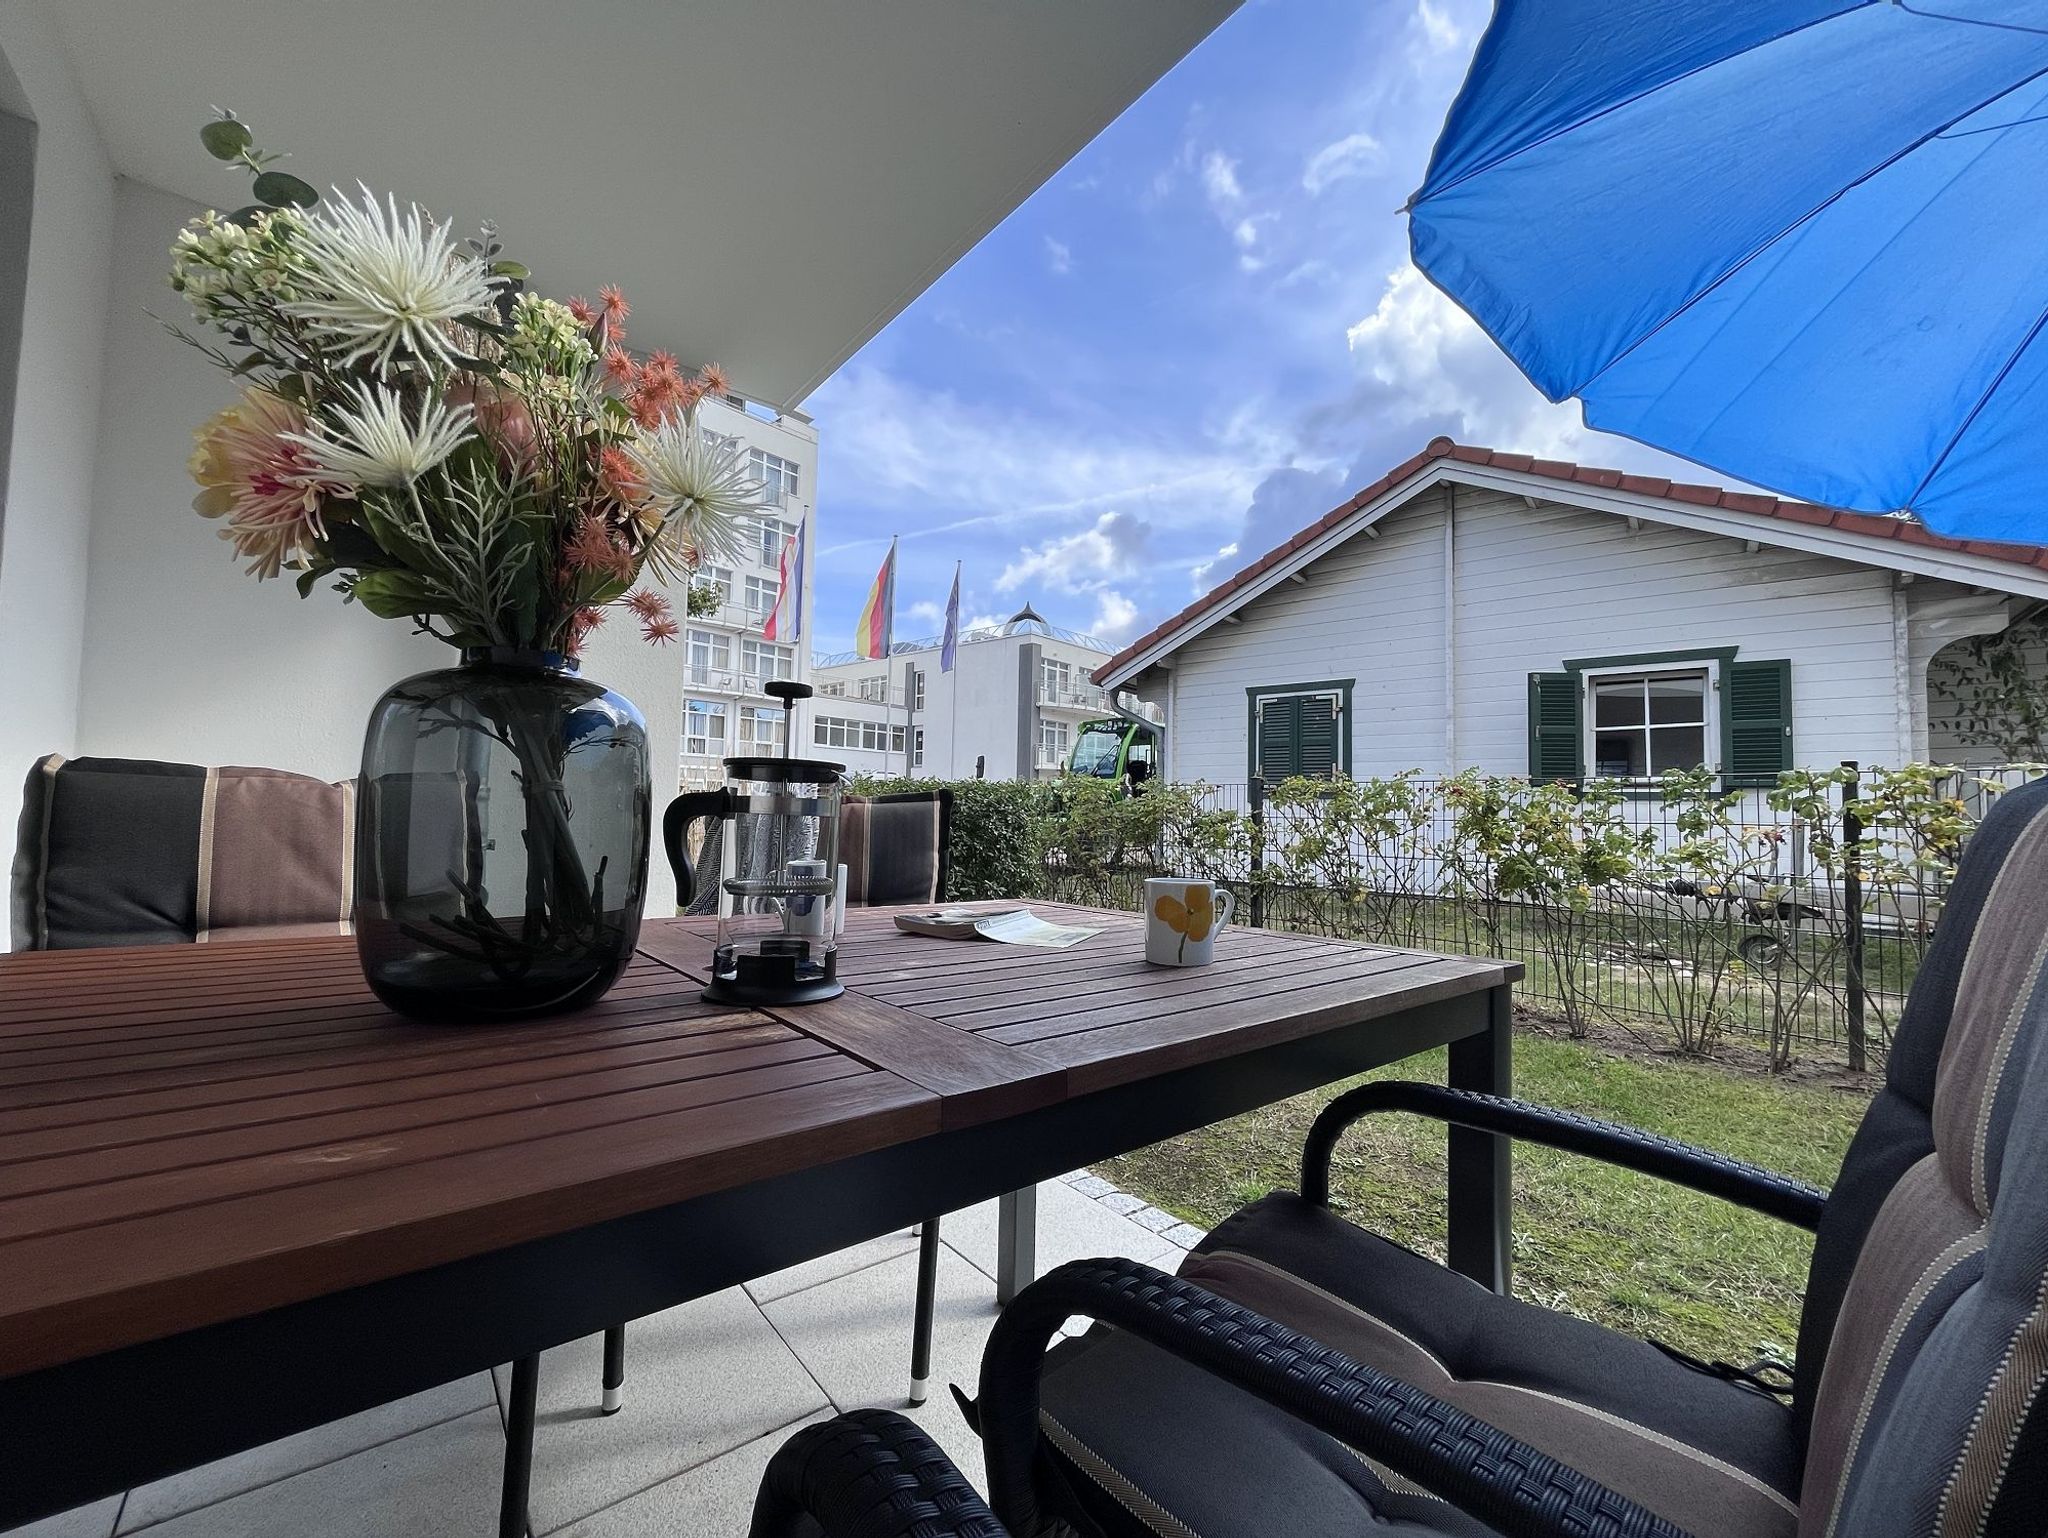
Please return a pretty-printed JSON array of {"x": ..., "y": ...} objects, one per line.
[{"x": 1622, "y": 1249}]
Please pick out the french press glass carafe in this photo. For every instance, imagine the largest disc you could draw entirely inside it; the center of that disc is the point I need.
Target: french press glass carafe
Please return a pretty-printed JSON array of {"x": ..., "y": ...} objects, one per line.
[{"x": 778, "y": 853}]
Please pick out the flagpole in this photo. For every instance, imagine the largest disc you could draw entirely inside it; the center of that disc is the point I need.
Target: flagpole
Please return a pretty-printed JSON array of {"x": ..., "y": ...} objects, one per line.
[{"x": 953, "y": 726}]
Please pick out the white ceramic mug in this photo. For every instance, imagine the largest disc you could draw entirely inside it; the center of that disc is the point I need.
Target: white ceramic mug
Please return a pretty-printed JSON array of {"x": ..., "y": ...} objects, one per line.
[{"x": 1181, "y": 920}]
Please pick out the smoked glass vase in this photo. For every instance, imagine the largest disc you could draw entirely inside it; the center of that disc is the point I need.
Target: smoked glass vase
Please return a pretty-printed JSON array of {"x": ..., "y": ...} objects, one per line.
[{"x": 501, "y": 839}]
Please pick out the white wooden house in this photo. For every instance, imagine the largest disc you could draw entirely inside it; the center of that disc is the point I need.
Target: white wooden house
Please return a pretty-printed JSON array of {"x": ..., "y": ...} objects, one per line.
[{"x": 1483, "y": 609}]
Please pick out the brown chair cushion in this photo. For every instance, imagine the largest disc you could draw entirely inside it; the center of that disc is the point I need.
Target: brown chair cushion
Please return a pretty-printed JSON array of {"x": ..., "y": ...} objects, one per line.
[
  {"x": 135, "y": 852},
  {"x": 897, "y": 849}
]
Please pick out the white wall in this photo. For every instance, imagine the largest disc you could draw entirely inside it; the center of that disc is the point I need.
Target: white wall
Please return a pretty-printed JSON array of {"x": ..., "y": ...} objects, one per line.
[
  {"x": 47, "y": 513},
  {"x": 1534, "y": 586},
  {"x": 186, "y": 657}
]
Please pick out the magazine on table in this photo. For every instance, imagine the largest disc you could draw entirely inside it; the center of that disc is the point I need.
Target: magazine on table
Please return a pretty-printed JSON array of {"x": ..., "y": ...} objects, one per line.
[{"x": 1009, "y": 926}]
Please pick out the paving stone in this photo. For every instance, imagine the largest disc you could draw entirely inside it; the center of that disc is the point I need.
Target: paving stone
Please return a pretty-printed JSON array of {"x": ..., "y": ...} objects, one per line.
[
  {"x": 1093, "y": 1185},
  {"x": 701, "y": 1380},
  {"x": 291, "y": 1455},
  {"x": 1070, "y": 1227},
  {"x": 1152, "y": 1218},
  {"x": 1121, "y": 1202},
  {"x": 809, "y": 1273},
  {"x": 714, "y": 1500},
  {"x": 1186, "y": 1235}
]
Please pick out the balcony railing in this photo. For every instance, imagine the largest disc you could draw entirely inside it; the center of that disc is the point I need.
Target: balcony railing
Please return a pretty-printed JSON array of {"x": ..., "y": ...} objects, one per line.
[
  {"x": 1072, "y": 696},
  {"x": 717, "y": 680}
]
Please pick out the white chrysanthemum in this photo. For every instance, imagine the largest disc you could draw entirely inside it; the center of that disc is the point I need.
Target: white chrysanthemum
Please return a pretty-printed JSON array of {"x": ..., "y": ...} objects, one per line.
[
  {"x": 374, "y": 445},
  {"x": 374, "y": 281},
  {"x": 697, "y": 485}
]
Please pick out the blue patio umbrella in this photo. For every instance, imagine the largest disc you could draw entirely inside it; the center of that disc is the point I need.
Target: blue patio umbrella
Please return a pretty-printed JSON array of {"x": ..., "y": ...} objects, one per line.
[{"x": 1803, "y": 243}]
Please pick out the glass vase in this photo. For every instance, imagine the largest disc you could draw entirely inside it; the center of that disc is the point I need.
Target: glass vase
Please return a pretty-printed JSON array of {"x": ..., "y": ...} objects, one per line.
[{"x": 501, "y": 839}]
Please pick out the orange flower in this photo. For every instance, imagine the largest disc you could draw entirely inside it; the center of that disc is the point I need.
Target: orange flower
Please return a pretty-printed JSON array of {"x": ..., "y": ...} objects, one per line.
[
  {"x": 618, "y": 367},
  {"x": 648, "y": 604},
  {"x": 660, "y": 631},
  {"x": 596, "y": 550},
  {"x": 581, "y": 624},
  {"x": 615, "y": 307},
  {"x": 1190, "y": 919},
  {"x": 267, "y": 487},
  {"x": 714, "y": 380},
  {"x": 582, "y": 310},
  {"x": 617, "y": 476}
]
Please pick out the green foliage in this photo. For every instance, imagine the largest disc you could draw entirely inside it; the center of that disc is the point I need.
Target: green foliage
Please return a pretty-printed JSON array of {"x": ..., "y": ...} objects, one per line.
[{"x": 1999, "y": 689}]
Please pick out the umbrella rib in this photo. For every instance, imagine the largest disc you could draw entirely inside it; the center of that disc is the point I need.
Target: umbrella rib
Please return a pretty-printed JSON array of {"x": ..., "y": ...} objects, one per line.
[
  {"x": 1983, "y": 400},
  {"x": 1811, "y": 214},
  {"x": 1417, "y": 197}
]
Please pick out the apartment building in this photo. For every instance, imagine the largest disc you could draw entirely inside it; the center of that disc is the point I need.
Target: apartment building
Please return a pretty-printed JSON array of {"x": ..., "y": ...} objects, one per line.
[
  {"x": 725, "y": 658},
  {"x": 1008, "y": 710}
]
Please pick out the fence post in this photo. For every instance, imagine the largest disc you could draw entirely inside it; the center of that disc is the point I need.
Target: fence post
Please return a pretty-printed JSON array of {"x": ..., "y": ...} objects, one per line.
[
  {"x": 1255, "y": 791},
  {"x": 1852, "y": 899}
]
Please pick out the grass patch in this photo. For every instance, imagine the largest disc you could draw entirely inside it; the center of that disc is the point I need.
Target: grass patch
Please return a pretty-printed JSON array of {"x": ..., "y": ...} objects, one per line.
[{"x": 1622, "y": 1249}]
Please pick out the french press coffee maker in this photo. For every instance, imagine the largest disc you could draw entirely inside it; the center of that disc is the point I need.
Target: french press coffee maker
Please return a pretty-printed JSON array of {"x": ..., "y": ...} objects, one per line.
[{"x": 778, "y": 848}]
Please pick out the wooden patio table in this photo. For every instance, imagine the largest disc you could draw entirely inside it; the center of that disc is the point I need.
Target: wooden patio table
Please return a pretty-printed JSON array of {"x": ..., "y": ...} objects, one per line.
[{"x": 238, "y": 1198}]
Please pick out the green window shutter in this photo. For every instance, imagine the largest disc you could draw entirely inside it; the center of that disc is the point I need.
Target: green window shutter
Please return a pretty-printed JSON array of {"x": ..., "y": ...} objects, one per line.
[
  {"x": 1317, "y": 722},
  {"x": 1554, "y": 732},
  {"x": 1278, "y": 734},
  {"x": 1757, "y": 722}
]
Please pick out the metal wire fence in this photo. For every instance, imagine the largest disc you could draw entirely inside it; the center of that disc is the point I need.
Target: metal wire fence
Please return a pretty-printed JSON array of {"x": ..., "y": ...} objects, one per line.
[{"x": 1796, "y": 915}]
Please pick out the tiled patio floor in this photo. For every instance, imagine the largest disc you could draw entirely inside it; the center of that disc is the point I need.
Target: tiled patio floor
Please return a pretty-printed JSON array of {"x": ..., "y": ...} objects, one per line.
[{"x": 712, "y": 1389}]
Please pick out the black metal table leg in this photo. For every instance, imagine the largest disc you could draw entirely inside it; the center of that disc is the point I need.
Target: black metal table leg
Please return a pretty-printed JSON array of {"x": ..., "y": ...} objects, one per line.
[
  {"x": 614, "y": 1369},
  {"x": 519, "y": 1409},
  {"x": 1480, "y": 1162},
  {"x": 927, "y": 1305}
]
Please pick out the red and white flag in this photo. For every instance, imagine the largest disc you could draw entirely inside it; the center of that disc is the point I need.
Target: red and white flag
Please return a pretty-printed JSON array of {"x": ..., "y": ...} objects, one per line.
[{"x": 786, "y": 619}]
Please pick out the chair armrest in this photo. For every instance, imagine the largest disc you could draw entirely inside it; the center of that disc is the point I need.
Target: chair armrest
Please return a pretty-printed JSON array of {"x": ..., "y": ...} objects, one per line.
[
  {"x": 1515, "y": 1489},
  {"x": 1746, "y": 1185},
  {"x": 868, "y": 1474}
]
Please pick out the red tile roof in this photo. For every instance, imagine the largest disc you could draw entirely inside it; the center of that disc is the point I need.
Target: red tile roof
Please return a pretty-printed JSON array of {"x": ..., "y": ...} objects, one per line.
[{"x": 1870, "y": 525}]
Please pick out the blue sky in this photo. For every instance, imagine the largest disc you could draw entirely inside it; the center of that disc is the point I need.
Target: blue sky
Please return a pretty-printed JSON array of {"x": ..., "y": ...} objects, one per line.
[{"x": 1198, "y": 336}]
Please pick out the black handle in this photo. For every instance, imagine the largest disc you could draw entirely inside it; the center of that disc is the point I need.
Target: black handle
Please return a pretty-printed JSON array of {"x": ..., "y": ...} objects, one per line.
[{"x": 675, "y": 822}]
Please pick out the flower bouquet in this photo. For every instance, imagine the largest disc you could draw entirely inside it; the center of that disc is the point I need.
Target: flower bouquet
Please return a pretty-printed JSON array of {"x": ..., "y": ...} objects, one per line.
[{"x": 454, "y": 450}]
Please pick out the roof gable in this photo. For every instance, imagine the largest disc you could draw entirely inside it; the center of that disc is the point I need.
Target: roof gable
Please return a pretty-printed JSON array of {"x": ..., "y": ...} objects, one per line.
[{"x": 1900, "y": 544}]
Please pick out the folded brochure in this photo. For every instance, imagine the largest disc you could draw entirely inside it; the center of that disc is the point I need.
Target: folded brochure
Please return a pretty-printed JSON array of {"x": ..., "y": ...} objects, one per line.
[{"x": 1011, "y": 926}]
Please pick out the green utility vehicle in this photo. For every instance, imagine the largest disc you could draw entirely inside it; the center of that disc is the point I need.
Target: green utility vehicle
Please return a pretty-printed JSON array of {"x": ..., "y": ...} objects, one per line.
[{"x": 1119, "y": 748}]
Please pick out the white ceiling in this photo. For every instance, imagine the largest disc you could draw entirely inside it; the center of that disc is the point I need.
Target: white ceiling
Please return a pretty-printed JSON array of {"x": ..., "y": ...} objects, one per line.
[{"x": 771, "y": 181}]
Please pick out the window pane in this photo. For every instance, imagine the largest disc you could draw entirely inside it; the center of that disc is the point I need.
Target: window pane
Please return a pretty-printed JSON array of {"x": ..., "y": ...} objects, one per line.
[
  {"x": 1682, "y": 700},
  {"x": 1619, "y": 755},
  {"x": 1618, "y": 702},
  {"x": 1677, "y": 747}
]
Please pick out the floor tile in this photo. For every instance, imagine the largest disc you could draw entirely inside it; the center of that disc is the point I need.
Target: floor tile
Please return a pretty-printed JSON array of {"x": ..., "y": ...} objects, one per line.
[
  {"x": 701, "y": 1380},
  {"x": 854, "y": 1336},
  {"x": 1071, "y": 1226},
  {"x": 809, "y": 1273},
  {"x": 292, "y": 1455},
  {"x": 93, "y": 1520},
  {"x": 442, "y": 1482},
  {"x": 713, "y": 1500}
]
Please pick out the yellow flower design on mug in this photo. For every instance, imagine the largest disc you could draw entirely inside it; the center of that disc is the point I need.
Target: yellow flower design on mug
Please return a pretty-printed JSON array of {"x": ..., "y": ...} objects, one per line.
[{"x": 1190, "y": 919}]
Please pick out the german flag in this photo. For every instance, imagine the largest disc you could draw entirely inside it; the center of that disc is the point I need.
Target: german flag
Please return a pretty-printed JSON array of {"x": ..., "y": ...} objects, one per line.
[{"x": 871, "y": 637}]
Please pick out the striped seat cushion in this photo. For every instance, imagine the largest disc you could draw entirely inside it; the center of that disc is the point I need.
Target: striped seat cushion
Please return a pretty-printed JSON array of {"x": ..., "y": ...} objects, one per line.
[
  {"x": 1930, "y": 1416},
  {"x": 136, "y": 852},
  {"x": 896, "y": 848}
]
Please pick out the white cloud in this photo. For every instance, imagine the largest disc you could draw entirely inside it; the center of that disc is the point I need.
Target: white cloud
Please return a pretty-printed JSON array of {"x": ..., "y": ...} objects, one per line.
[
  {"x": 925, "y": 612},
  {"x": 1199, "y": 573},
  {"x": 1356, "y": 154},
  {"x": 1115, "y": 616},
  {"x": 1081, "y": 562},
  {"x": 1219, "y": 181},
  {"x": 1058, "y": 256},
  {"x": 965, "y": 464},
  {"x": 1439, "y": 29}
]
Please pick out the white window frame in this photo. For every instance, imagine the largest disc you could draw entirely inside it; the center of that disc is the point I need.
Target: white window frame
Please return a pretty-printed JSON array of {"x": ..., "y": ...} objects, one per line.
[
  {"x": 917, "y": 747},
  {"x": 704, "y": 744},
  {"x": 719, "y": 577},
  {"x": 1710, "y": 708},
  {"x": 781, "y": 479},
  {"x": 770, "y": 533},
  {"x": 761, "y": 660},
  {"x": 760, "y": 594},
  {"x": 1055, "y": 741},
  {"x": 917, "y": 688},
  {"x": 760, "y": 729}
]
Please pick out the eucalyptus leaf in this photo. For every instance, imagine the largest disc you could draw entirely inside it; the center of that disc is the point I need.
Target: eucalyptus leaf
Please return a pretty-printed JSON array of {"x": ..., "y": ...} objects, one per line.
[
  {"x": 281, "y": 188},
  {"x": 248, "y": 365},
  {"x": 517, "y": 271},
  {"x": 246, "y": 217},
  {"x": 225, "y": 138}
]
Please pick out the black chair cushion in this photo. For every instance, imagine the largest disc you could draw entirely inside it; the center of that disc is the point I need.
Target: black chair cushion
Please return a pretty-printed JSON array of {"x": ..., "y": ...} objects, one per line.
[
  {"x": 1707, "y": 1454},
  {"x": 1139, "y": 1444}
]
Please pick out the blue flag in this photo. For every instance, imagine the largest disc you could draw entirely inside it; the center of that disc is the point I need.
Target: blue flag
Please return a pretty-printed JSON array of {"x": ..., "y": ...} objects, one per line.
[{"x": 950, "y": 647}]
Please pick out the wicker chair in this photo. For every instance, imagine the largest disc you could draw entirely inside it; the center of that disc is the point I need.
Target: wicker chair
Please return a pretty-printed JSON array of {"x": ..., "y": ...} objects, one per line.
[{"x": 1302, "y": 1376}]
